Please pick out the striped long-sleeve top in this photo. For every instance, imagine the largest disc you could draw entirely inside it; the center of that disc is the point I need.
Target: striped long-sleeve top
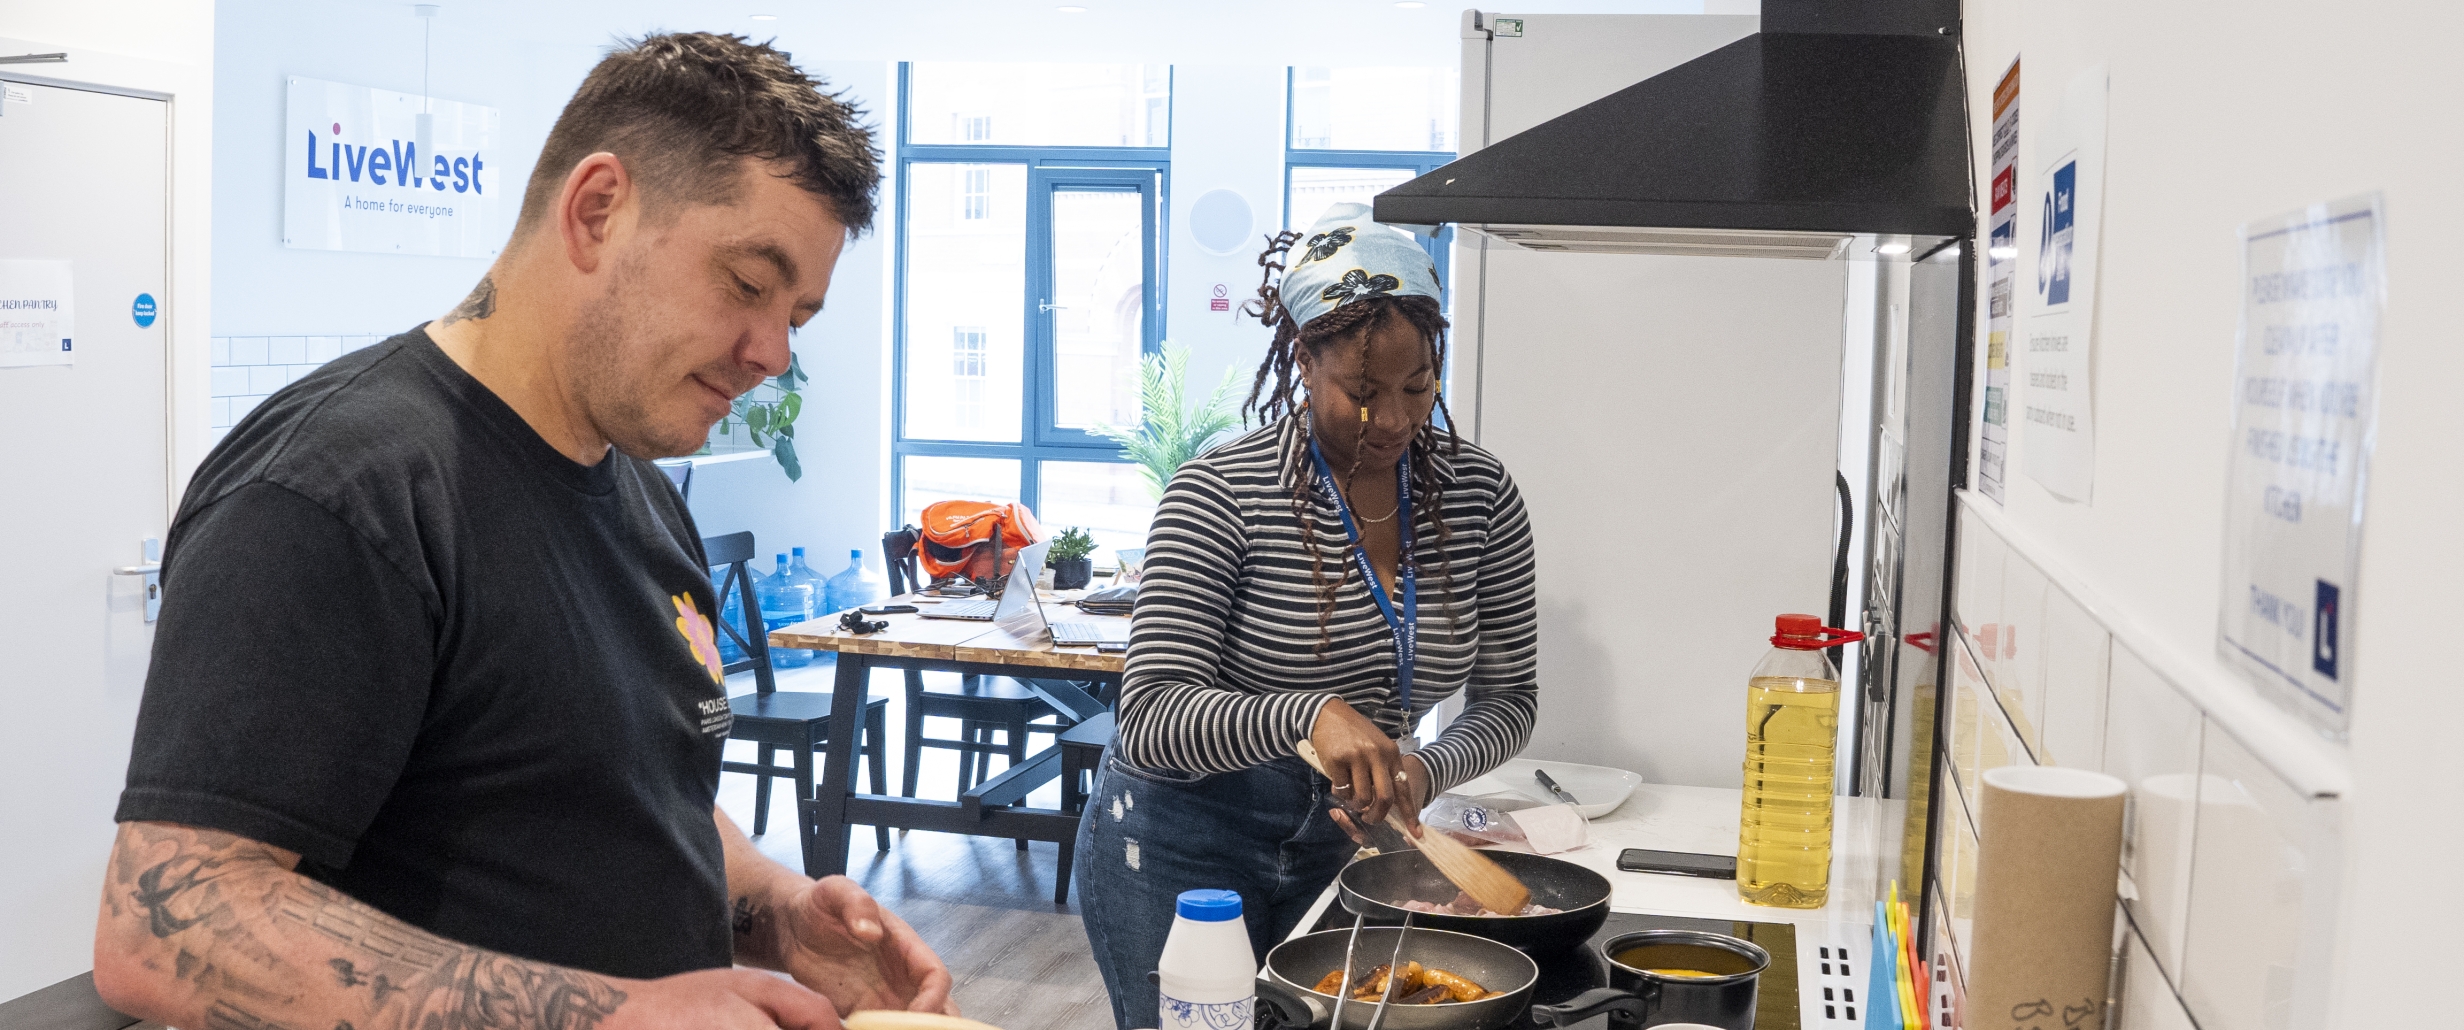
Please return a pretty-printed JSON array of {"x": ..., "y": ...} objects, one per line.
[{"x": 1223, "y": 669}]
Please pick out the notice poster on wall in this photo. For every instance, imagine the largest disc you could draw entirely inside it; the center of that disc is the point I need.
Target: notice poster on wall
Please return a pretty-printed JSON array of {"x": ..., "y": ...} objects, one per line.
[
  {"x": 38, "y": 313},
  {"x": 357, "y": 175},
  {"x": 2001, "y": 270},
  {"x": 2056, "y": 394},
  {"x": 2304, "y": 406}
]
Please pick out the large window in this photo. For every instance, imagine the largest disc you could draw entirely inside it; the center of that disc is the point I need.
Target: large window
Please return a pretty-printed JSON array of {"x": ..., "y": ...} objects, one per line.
[
  {"x": 1030, "y": 220},
  {"x": 1357, "y": 132}
]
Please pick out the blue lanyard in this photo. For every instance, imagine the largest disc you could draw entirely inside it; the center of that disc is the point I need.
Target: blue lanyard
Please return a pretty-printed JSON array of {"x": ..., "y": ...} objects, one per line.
[{"x": 1406, "y": 627}]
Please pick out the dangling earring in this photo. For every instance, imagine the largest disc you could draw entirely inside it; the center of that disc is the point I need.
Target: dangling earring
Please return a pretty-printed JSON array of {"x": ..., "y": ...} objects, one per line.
[{"x": 1364, "y": 413}]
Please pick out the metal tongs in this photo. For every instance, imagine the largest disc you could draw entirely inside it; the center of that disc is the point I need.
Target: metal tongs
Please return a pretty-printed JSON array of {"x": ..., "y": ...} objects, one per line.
[{"x": 1343, "y": 993}]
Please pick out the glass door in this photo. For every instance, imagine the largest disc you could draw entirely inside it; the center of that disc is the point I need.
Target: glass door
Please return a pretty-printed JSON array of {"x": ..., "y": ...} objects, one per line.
[{"x": 1094, "y": 280}]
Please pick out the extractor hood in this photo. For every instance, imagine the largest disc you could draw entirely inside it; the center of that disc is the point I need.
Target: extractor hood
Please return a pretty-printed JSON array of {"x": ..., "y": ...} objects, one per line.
[{"x": 1841, "y": 119}]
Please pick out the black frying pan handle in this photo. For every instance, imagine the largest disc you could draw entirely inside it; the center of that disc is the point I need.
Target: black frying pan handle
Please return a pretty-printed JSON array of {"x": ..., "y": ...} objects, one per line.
[
  {"x": 1282, "y": 1007},
  {"x": 1593, "y": 1002}
]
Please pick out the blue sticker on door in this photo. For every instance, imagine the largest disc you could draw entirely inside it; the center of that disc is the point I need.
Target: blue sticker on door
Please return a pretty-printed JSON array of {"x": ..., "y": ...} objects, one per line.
[{"x": 143, "y": 310}]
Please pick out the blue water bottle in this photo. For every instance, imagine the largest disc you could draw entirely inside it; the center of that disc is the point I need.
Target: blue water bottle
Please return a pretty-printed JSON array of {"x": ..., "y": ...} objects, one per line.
[
  {"x": 855, "y": 587},
  {"x": 784, "y": 602}
]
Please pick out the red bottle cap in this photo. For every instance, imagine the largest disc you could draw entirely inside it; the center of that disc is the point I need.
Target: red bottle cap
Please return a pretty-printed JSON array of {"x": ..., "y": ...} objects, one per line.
[{"x": 1807, "y": 633}]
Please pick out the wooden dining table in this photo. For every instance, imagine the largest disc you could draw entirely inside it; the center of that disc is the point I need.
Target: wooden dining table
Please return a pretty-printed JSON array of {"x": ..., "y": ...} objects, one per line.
[{"x": 912, "y": 642}]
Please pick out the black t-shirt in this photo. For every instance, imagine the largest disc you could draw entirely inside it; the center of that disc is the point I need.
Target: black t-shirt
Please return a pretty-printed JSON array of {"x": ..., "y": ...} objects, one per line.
[{"x": 470, "y": 682}]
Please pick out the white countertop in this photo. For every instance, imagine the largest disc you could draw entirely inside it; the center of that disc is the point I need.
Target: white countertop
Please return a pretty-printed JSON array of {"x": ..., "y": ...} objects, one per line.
[{"x": 1663, "y": 817}]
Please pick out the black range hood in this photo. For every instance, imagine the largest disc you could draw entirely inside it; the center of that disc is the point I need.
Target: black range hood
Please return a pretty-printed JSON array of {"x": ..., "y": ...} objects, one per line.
[{"x": 1839, "y": 119}]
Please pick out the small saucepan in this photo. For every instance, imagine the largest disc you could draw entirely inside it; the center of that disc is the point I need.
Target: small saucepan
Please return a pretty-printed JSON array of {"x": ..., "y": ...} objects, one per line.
[
  {"x": 1670, "y": 976},
  {"x": 1378, "y": 887},
  {"x": 1296, "y": 965}
]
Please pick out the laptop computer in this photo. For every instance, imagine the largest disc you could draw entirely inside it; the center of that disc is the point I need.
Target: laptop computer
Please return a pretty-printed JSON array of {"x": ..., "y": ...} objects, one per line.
[
  {"x": 1020, "y": 613},
  {"x": 1017, "y": 596}
]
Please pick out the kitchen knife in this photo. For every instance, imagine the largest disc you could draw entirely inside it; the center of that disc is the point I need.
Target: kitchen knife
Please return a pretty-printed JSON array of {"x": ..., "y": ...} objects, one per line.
[{"x": 1542, "y": 775}]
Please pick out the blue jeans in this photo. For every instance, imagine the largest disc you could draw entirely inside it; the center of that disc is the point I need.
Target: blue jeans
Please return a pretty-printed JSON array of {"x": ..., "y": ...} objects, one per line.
[{"x": 1150, "y": 835}]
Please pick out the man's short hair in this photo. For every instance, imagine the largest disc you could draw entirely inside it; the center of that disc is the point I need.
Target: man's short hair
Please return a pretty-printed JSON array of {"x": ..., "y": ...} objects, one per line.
[{"x": 682, "y": 109}]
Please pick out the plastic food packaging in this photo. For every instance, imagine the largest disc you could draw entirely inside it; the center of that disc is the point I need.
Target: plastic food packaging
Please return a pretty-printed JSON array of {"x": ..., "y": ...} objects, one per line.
[{"x": 1477, "y": 821}]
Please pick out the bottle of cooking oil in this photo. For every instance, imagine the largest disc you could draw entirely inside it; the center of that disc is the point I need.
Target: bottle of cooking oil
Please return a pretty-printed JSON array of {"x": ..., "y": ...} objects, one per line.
[{"x": 1791, "y": 725}]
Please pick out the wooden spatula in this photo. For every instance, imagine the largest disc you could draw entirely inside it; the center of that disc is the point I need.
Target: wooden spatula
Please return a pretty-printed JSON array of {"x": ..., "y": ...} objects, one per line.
[{"x": 1474, "y": 873}]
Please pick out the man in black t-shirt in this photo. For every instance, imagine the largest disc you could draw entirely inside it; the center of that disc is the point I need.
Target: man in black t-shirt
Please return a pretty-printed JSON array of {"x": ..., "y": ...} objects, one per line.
[{"x": 431, "y": 736}]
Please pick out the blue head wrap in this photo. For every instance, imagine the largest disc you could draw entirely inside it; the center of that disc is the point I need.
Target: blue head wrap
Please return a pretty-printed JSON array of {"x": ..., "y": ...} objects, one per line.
[{"x": 1347, "y": 256}]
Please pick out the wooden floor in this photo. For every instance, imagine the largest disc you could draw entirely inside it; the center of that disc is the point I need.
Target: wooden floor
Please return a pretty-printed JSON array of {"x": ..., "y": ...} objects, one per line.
[{"x": 1019, "y": 961}]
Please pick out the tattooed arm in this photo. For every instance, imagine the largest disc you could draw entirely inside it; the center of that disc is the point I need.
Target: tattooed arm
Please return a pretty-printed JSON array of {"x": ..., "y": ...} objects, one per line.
[
  {"x": 828, "y": 934},
  {"x": 213, "y": 931}
]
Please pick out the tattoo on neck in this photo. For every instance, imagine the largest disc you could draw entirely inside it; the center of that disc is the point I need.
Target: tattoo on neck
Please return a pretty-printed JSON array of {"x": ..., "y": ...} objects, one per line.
[{"x": 480, "y": 304}]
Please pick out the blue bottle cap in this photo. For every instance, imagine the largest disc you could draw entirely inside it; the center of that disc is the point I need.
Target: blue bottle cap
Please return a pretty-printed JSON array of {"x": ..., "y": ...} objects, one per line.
[
  {"x": 1210, "y": 906},
  {"x": 856, "y": 553},
  {"x": 799, "y": 551}
]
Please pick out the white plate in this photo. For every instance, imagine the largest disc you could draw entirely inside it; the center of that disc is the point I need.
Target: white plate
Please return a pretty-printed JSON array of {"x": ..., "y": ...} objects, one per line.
[{"x": 1599, "y": 789}]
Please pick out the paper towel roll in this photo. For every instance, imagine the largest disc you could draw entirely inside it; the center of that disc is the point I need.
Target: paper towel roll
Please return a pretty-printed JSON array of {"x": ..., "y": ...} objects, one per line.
[{"x": 2049, "y": 848}]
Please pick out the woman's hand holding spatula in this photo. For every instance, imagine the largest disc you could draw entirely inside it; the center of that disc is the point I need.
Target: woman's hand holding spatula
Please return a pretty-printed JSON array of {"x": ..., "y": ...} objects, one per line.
[{"x": 1474, "y": 873}]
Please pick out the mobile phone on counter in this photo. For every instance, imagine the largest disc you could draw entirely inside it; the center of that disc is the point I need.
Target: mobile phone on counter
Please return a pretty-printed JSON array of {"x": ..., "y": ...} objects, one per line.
[
  {"x": 888, "y": 609},
  {"x": 1112, "y": 647},
  {"x": 1680, "y": 863}
]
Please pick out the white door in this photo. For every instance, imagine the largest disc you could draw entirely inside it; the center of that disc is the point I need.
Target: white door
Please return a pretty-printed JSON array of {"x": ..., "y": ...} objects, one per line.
[{"x": 84, "y": 480}]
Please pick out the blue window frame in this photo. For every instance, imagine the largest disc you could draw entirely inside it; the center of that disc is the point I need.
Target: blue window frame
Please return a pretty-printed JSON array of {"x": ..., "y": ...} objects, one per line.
[
  {"x": 1353, "y": 172},
  {"x": 1073, "y": 225}
]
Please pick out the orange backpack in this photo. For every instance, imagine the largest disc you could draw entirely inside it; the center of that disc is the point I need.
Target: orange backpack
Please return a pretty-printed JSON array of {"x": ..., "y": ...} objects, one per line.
[{"x": 956, "y": 538}]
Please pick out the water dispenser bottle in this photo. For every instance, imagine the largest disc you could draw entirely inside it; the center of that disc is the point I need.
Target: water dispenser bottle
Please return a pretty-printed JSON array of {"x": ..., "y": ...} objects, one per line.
[
  {"x": 785, "y": 601},
  {"x": 855, "y": 587}
]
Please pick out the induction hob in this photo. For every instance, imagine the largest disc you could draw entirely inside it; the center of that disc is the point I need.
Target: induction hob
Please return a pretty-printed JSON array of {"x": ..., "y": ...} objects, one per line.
[{"x": 1571, "y": 971}]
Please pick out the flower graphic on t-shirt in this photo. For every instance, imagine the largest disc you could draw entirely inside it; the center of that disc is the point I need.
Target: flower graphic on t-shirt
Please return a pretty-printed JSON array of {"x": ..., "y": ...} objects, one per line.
[{"x": 697, "y": 633}]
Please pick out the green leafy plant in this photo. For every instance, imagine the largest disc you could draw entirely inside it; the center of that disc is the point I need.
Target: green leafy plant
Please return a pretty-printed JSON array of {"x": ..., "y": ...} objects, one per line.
[
  {"x": 1071, "y": 545},
  {"x": 767, "y": 416},
  {"x": 1173, "y": 431}
]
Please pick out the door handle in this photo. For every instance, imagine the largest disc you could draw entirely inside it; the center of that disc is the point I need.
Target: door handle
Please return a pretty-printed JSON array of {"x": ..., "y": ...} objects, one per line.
[
  {"x": 152, "y": 570},
  {"x": 1050, "y": 306}
]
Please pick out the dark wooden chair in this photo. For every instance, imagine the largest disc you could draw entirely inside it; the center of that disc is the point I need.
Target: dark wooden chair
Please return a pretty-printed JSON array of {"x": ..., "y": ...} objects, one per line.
[
  {"x": 680, "y": 472},
  {"x": 983, "y": 705},
  {"x": 797, "y": 720},
  {"x": 1082, "y": 754}
]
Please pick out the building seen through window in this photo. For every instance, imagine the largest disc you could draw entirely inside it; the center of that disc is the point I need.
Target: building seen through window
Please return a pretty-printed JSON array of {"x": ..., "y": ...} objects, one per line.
[
  {"x": 1039, "y": 105},
  {"x": 1374, "y": 108},
  {"x": 1030, "y": 240}
]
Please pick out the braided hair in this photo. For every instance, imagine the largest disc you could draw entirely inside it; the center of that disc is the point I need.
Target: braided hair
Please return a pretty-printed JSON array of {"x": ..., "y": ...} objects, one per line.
[{"x": 1273, "y": 394}]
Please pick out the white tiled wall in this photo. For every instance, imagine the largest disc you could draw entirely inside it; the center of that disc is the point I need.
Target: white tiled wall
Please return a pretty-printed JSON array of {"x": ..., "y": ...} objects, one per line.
[
  {"x": 2152, "y": 743},
  {"x": 247, "y": 368},
  {"x": 2227, "y": 885},
  {"x": 2147, "y": 1001},
  {"x": 2249, "y": 888}
]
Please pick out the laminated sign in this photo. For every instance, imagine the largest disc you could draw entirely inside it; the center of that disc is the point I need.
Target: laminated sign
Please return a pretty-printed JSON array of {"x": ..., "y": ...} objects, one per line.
[
  {"x": 2304, "y": 406},
  {"x": 357, "y": 174},
  {"x": 37, "y": 315},
  {"x": 2056, "y": 398}
]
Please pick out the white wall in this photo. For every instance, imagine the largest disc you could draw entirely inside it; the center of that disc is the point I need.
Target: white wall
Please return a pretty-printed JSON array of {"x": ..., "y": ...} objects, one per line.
[
  {"x": 1227, "y": 133},
  {"x": 2217, "y": 119},
  {"x": 55, "y": 815},
  {"x": 268, "y": 289}
]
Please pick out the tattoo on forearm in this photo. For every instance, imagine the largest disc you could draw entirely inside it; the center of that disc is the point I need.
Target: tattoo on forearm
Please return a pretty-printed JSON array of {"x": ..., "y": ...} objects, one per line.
[
  {"x": 751, "y": 919},
  {"x": 197, "y": 896},
  {"x": 226, "y": 1016},
  {"x": 480, "y": 304}
]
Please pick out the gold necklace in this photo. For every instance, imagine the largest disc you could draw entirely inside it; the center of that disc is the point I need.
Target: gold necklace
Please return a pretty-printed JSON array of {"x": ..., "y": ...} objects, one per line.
[{"x": 1363, "y": 518}]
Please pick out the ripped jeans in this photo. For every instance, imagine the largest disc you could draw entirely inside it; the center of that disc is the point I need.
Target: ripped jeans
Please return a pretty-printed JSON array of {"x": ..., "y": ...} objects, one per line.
[{"x": 1150, "y": 835}]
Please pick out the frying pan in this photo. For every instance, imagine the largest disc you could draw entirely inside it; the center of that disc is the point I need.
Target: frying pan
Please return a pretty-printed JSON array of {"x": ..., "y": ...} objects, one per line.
[
  {"x": 1298, "y": 964},
  {"x": 1378, "y": 886}
]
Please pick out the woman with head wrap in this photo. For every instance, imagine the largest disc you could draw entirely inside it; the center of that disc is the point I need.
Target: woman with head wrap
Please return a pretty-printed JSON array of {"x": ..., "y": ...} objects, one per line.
[{"x": 1332, "y": 577}]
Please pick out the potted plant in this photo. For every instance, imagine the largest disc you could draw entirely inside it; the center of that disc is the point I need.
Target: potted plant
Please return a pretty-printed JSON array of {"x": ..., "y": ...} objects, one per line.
[
  {"x": 767, "y": 415},
  {"x": 1071, "y": 566},
  {"x": 1172, "y": 430}
]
